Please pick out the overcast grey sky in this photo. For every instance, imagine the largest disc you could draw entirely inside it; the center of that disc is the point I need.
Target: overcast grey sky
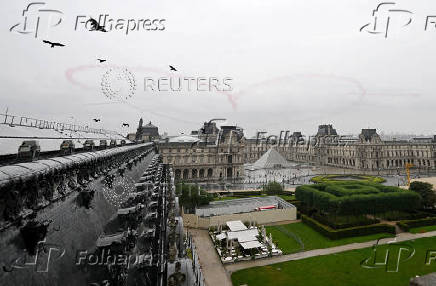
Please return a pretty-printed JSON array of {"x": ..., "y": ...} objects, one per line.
[{"x": 294, "y": 64}]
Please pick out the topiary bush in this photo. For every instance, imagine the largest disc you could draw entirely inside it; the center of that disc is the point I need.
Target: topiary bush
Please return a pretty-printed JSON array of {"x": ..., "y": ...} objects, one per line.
[
  {"x": 356, "y": 198},
  {"x": 273, "y": 188},
  {"x": 425, "y": 190},
  {"x": 406, "y": 225},
  {"x": 347, "y": 232}
]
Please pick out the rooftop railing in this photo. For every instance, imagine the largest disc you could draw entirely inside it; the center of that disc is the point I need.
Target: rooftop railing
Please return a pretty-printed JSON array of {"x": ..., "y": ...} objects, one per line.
[{"x": 15, "y": 120}]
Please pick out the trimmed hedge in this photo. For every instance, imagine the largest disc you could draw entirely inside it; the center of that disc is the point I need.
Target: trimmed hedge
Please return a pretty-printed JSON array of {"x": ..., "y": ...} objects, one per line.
[
  {"x": 406, "y": 225},
  {"x": 336, "y": 225},
  {"x": 354, "y": 178},
  {"x": 357, "y": 198},
  {"x": 347, "y": 232},
  {"x": 405, "y": 215}
]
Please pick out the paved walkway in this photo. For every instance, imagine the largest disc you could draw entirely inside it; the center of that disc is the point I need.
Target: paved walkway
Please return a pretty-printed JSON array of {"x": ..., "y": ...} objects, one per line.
[
  {"x": 213, "y": 270},
  {"x": 316, "y": 252}
]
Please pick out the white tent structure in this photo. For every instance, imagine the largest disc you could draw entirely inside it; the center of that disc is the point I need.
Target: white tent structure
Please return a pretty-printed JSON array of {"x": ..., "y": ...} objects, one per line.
[
  {"x": 236, "y": 225},
  {"x": 251, "y": 244},
  {"x": 271, "y": 159}
]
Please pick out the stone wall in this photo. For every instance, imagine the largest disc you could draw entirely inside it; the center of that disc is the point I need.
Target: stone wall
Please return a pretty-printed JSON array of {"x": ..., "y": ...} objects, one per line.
[{"x": 260, "y": 217}]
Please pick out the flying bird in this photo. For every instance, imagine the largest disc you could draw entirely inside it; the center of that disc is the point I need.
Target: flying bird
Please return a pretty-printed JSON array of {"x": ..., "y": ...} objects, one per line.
[
  {"x": 95, "y": 26},
  {"x": 53, "y": 44},
  {"x": 96, "y": 120},
  {"x": 126, "y": 125},
  {"x": 101, "y": 60},
  {"x": 173, "y": 68}
]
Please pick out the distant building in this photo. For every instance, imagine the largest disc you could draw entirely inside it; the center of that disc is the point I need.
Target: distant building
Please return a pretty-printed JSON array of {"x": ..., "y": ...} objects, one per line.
[
  {"x": 365, "y": 153},
  {"x": 208, "y": 132},
  {"x": 146, "y": 133},
  {"x": 369, "y": 136},
  {"x": 424, "y": 139},
  {"x": 208, "y": 155},
  {"x": 212, "y": 155},
  {"x": 326, "y": 129}
]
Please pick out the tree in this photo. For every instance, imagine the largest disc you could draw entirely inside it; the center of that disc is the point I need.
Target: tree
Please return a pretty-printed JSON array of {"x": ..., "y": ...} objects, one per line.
[
  {"x": 273, "y": 188},
  {"x": 191, "y": 196},
  {"x": 425, "y": 190}
]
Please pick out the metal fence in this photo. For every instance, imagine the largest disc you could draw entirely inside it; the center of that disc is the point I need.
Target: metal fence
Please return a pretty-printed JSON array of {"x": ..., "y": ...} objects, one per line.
[{"x": 15, "y": 120}]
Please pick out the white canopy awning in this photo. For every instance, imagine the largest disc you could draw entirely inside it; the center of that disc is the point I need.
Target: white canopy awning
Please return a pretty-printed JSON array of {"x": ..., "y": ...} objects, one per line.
[
  {"x": 251, "y": 244},
  {"x": 236, "y": 225},
  {"x": 244, "y": 236},
  {"x": 221, "y": 236}
]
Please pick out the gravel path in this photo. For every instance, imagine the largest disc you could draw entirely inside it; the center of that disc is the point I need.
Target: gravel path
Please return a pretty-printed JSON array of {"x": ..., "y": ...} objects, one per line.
[{"x": 213, "y": 270}]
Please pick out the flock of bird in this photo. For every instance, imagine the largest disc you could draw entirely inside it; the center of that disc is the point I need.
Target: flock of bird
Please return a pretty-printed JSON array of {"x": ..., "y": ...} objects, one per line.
[
  {"x": 95, "y": 27},
  {"x": 123, "y": 125}
]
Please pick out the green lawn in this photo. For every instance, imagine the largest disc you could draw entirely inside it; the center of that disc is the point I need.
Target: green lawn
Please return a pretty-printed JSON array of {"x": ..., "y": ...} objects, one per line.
[
  {"x": 285, "y": 237},
  {"x": 345, "y": 268},
  {"x": 422, "y": 229},
  {"x": 287, "y": 197}
]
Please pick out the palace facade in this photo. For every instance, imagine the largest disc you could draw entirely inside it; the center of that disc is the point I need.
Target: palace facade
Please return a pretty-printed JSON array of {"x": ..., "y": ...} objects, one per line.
[
  {"x": 210, "y": 155},
  {"x": 367, "y": 152},
  {"x": 213, "y": 154}
]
